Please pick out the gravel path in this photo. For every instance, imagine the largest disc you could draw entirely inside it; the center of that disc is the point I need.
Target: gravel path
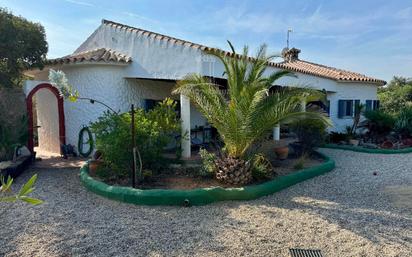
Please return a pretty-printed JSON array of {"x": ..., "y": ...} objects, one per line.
[{"x": 347, "y": 212}]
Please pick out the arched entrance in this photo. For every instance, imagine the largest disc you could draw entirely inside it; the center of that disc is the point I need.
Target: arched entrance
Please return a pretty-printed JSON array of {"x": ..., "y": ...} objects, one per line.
[{"x": 50, "y": 90}]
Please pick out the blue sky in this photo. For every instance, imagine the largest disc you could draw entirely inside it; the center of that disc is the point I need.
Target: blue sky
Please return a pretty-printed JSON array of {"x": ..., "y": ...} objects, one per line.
[{"x": 373, "y": 37}]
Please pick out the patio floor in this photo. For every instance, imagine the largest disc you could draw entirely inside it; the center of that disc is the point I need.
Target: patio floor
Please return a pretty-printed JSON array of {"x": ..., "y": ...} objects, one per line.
[{"x": 347, "y": 212}]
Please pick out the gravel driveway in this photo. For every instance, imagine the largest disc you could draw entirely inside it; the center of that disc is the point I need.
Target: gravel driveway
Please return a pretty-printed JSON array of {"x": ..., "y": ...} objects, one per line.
[{"x": 347, "y": 212}]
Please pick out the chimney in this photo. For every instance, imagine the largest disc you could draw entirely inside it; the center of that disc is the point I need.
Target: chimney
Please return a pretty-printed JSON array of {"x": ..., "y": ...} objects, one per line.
[{"x": 290, "y": 55}]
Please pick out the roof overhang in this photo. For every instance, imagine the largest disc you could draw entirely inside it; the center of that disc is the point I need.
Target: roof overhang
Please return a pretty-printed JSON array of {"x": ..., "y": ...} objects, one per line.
[{"x": 34, "y": 72}]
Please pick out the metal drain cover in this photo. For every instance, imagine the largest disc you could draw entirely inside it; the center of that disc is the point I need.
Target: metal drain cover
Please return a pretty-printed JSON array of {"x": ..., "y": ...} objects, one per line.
[{"x": 305, "y": 253}]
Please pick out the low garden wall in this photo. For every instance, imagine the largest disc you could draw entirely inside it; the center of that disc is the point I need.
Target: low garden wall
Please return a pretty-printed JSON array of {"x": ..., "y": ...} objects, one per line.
[
  {"x": 368, "y": 150},
  {"x": 200, "y": 196}
]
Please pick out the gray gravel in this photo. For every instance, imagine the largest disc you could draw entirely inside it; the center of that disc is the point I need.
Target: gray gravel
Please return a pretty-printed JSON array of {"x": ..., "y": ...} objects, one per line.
[{"x": 348, "y": 212}]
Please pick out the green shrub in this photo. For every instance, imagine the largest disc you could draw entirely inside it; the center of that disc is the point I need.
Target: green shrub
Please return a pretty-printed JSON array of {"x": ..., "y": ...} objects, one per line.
[
  {"x": 300, "y": 163},
  {"x": 337, "y": 137},
  {"x": 261, "y": 167},
  {"x": 378, "y": 123},
  {"x": 208, "y": 163},
  {"x": 403, "y": 124},
  {"x": 12, "y": 136},
  {"x": 153, "y": 133},
  {"x": 104, "y": 172},
  {"x": 310, "y": 133},
  {"x": 396, "y": 95}
]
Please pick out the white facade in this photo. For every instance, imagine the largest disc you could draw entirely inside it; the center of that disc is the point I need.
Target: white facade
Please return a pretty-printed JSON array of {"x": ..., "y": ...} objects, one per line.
[{"x": 154, "y": 58}]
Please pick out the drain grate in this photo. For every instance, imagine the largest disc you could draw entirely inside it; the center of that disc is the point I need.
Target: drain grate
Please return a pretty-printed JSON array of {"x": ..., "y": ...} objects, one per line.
[{"x": 305, "y": 253}]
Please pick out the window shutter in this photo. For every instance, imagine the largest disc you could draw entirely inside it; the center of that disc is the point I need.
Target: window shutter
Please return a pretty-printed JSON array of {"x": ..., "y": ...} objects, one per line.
[
  {"x": 351, "y": 107},
  {"x": 340, "y": 108},
  {"x": 357, "y": 103},
  {"x": 368, "y": 105},
  {"x": 328, "y": 107},
  {"x": 377, "y": 105}
]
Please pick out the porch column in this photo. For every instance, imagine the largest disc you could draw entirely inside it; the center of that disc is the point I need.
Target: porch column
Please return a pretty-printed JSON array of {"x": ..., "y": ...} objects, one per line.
[
  {"x": 303, "y": 105},
  {"x": 276, "y": 132},
  {"x": 185, "y": 116}
]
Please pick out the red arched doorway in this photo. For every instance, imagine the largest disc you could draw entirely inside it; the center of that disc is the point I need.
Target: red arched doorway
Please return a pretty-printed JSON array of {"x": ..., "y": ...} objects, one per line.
[{"x": 60, "y": 106}]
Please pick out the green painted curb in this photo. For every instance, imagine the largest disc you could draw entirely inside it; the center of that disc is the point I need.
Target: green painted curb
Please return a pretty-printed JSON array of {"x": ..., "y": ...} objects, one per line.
[
  {"x": 368, "y": 150},
  {"x": 200, "y": 196}
]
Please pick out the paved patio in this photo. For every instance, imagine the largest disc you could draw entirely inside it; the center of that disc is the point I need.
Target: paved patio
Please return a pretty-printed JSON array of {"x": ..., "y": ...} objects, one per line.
[{"x": 347, "y": 212}]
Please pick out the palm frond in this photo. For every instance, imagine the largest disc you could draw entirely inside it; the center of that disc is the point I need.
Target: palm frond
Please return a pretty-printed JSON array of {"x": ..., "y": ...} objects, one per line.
[{"x": 249, "y": 110}]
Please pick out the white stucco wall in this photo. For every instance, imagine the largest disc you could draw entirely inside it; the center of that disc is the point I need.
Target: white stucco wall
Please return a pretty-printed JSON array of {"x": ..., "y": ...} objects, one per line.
[
  {"x": 349, "y": 91},
  {"x": 48, "y": 120},
  {"x": 107, "y": 83},
  {"x": 152, "y": 58}
]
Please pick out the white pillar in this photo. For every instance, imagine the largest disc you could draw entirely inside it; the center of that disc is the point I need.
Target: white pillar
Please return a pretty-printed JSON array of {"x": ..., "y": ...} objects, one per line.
[
  {"x": 276, "y": 132},
  {"x": 303, "y": 105},
  {"x": 185, "y": 116}
]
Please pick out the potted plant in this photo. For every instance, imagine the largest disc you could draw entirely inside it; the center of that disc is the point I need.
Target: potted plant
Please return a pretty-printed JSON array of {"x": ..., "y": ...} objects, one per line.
[
  {"x": 351, "y": 136},
  {"x": 95, "y": 162},
  {"x": 281, "y": 150}
]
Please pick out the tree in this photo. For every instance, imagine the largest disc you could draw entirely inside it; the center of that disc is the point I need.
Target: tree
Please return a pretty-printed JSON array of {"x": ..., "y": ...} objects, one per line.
[
  {"x": 248, "y": 111},
  {"x": 397, "y": 95},
  {"x": 22, "y": 46}
]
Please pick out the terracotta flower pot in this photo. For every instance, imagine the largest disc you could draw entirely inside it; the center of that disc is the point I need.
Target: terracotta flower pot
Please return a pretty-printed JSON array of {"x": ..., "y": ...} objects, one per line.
[
  {"x": 282, "y": 152},
  {"x": 387, "y": 145},
  {"x": 354, "y": 142},
  {"x": 93, "y": 166},
  {"x": 407, "y": 142}
]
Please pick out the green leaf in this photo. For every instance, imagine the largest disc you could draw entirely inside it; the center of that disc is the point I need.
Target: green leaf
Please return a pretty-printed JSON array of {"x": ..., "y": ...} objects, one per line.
[
  {"x": 31, "y": 200},
  {"x": 6, "y": 185},
  {"x": 8, "y": 199},
  {"x": 28, "y": 186}
]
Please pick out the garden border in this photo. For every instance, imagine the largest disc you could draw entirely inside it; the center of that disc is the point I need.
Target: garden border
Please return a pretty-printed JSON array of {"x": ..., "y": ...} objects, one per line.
[
  {"x": 201, "y": 196},
  {"x": 368, "y": 150}
]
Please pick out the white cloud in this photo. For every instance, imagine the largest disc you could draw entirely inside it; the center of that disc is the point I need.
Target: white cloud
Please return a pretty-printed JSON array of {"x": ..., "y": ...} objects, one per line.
[{"x": 79, "y": 2}]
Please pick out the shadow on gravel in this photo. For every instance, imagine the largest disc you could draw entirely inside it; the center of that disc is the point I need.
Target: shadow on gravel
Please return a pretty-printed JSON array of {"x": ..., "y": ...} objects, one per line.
[
  {"x": 355, "y": 199},
  {"x": 75, "y": 222}
]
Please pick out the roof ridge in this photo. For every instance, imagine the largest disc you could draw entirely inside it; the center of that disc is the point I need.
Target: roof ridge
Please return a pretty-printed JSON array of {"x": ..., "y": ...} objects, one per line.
[
  {"x": 87, "y": 51},
  {"x": 333, "y": 68},
  {"x": 97, "y": 55},
  {"x": 108, "y": 22},
  {"x": 341, "y": 77}
]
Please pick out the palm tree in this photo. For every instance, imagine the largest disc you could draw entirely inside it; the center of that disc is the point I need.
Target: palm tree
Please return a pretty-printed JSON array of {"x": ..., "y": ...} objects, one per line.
[{"x": 248, "y": 111}]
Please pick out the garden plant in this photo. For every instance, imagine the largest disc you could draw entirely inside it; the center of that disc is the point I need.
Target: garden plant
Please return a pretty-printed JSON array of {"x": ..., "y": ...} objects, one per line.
[{"x": 248, "y": 111}]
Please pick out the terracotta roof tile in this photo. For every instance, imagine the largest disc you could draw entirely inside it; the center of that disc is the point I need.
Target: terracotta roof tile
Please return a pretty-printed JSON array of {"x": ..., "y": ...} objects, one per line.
[
  {"x": 325, "y": 71},
  {"x": 97, "y": 55}
]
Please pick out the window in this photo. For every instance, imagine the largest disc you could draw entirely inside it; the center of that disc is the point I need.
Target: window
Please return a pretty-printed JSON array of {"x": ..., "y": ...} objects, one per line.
[
  {"x": 372, "y": 105},
  {"x": 150, "y": 104},
  {"x": 346, "y": 108}
]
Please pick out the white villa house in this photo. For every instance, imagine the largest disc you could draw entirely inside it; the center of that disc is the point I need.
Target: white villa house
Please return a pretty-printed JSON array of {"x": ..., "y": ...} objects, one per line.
[{"x": 122, "y": 65}]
